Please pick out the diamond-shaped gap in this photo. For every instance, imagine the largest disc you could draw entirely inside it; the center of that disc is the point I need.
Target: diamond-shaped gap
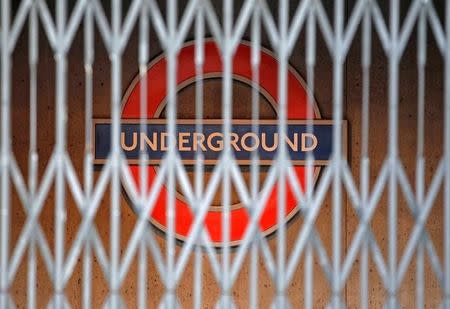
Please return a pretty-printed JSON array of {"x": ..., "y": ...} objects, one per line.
[
  {"x": 432, "y": 294},
  {"x": 437, "y": 9},
  {"x": 131, "y": 53},
  {"x": 405, "y": 10},
  {"x": 183, "y": 8},
  {"x": 99, "y": 284},
  {"x": 154, "y": 36},
  {"x": 126, "y": 6},
  {"x": 18, "y": 217},
  {"x": 432, "y": 289},
  {"x": 405, "y": 225},
  {"x": 217, "y": 10},
  {"x": 353, "y": 224},
  {"x": 129, "y": 287},
  {"x": 43, "y": 285},
  {"x": 378, "y": 225},
  {"x": 243, "y": 285},
  {"x": 322, "y": 233},
  {"x": 407, "y": 290},
  {"x": 406, "y": 221},
  {"x": 237, "y": 10},
  {"x": 102, "y": 217},
  {"x": 18, "y": 213},
  {"x": 295, "y": 288},
  {"x": 434, "y": 226},
  {"x": 74, "y": 287},
  {"x": 236, "y": 18},
  {"x": 264, "y": 34},
  {"x": 14, "y": 9},
  {"x": 352, "y": 292},
  {"x": 209, "y": 289},
  {"x": 322, "y": 225},
  {"x": 294, "y": 8},
  {"x": 51, "y": 9},
  {"x": 274, "y": 8},
  {"x": 186, "y": 287},
  {"x": 154, "y": 287},
  {"x": 321, "y": 291}
]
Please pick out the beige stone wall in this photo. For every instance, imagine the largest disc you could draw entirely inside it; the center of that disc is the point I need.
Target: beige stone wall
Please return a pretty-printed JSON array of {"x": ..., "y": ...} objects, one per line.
[{"x": 323, "y": 92}]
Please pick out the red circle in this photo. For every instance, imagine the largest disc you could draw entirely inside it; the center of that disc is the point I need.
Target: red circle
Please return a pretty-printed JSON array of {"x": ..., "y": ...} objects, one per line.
[{"x": 156, "y": 90}]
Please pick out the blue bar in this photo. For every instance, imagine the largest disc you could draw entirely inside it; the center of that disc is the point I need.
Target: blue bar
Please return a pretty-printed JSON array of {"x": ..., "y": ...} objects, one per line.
[{"x": 130, "y": 133}]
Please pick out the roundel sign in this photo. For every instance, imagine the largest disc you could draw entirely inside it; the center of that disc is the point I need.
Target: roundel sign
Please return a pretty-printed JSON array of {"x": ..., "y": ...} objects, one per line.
[{"x": 210, "y": 141}]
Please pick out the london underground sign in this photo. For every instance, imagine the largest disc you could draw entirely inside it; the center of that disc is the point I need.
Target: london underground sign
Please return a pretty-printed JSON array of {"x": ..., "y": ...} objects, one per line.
[{"x": 243, "y": 140}]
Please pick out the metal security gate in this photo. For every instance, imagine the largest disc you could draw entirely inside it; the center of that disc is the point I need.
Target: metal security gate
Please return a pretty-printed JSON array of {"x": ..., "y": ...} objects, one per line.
[{"x": 65, "y": 253}]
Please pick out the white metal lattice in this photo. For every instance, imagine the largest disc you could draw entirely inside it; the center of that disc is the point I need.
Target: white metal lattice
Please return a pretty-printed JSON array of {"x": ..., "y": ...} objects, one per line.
[{"x": 338, "y": 33}]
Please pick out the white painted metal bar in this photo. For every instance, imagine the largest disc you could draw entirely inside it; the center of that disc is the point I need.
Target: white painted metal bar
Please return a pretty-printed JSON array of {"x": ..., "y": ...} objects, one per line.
[
  {"x": 33, "y": 156},
  {"x": 5, "y": 150},
  {"x": 365, "y": 160},
  {"x": 143, "y": 55},
  {"x": 88, "y": 157},
  {"x": 199, "y": 159},
  {"x": 282, "y": 55},
  {"x": 199, "y": 17},
  {"x": 227, "y": 112},
  {"x": 172, "y": 15},
  {"x": 420, "y": 160},
  {"x": 255, "y": 168},
  {"x": 115, "y": 212},
  {"x": 61, "y": 116},
  {"x": 446, "y": 144},
  {"x": 310, "y": 66},
  {"x": 337, "y": 149}
]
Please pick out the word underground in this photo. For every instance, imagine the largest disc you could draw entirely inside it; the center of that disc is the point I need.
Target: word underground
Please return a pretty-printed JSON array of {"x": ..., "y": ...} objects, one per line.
[{"x": 211, "y": 141}]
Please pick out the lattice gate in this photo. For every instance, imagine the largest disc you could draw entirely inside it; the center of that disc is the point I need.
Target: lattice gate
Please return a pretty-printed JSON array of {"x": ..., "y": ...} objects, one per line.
[{"x": 44, "y": 188}]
